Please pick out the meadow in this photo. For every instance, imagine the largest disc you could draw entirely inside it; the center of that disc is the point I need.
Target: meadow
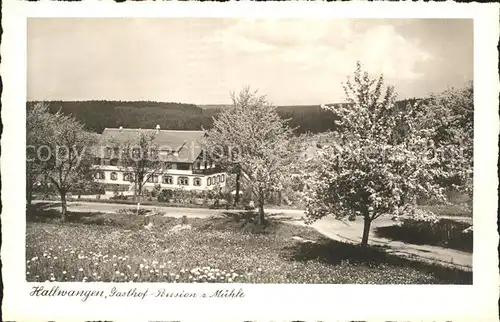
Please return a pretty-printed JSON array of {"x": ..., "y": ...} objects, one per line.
[{"x": 125, "y": 247}]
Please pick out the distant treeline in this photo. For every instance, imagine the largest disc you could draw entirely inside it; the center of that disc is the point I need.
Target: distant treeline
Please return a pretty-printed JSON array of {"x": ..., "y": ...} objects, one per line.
[{"x": 98, "y": 115}]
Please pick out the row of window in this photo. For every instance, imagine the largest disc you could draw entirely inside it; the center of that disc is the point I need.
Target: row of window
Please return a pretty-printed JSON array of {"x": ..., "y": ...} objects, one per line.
[
  {"x": 215, "y": 179},
  {"x": 167, "y": 165},
  {"x": 183, "y": 181}
]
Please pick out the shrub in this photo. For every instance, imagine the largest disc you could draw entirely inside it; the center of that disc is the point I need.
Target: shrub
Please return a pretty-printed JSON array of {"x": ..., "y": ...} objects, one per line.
[
  {"x": 427, "y": 230},
  {"x": 165, "y": 195}
]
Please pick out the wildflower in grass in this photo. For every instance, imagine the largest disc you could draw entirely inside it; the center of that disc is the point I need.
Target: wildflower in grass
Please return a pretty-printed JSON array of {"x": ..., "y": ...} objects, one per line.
[
  {"x": 95, "y": 264},
  {"x": 117, "y": 272},
  {"x": 81, "y": 269},
  {"x": 135, "y": 275},
  {"x": 121, "y": 274},
  {"x": 114, "y": 256},
  {"x": 72, "y": 276},
  {"x": 259, "y": 269},
  {"x": 48, "y": 256},
  {"x": 146, "y": 267},
  {"x": 64, "y": 272},
  {"x": 151, "y": 271},
  {"x": 114, "y": 264},
  {"x": 229, "y": 280},
  {"x": 52, "y": 278},
  {"x": 177, "y": 277},
  {"x": 172, "y": 274},
  {"x": 169, "y": 262},
  {"x": 72, "y": 252},
  {"x": 155, "y": 262},
  {"x": 27, "y": 273},
  {"x": 141, "y": 266},
  {"x": 27, "y": 262},
  {"x": 98, "y": 277},
  {"x": 34, "y": 259},
  {"x": 55, "y": 257},
  {"x": 44, "y": 254},
  {"x": 129, "y": 267},
  {"x": 95, "y": 274}
]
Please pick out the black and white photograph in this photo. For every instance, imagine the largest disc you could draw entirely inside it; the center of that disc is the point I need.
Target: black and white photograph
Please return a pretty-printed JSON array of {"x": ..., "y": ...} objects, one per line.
[
  {"x": 250, "y": 150},
  {"x": 192, "y": 157}
]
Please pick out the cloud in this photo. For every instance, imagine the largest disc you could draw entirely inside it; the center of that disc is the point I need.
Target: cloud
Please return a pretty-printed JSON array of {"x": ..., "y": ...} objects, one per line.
[{"x": 329, "y": 45}]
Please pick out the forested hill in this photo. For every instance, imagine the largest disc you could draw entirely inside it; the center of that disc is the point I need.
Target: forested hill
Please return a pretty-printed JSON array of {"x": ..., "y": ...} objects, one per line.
[{"x": 97, "y": 115}]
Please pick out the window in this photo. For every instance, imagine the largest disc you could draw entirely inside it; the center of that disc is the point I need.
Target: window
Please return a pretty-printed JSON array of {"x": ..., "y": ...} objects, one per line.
[
  {"x": 183, "y": 166},
  {"x": 167, "y": 180},
  {"x": 183, "y": 181},
  {"x": 99, "y": 175},
  {"x": 127, "y": 176},
  {"x": 114, "y": 176},
  {"x": 153, "y": 154},
  {"x": 218, "y": 178},
  {"x": 197, "y": 165},
  {"x": 136, "y": 154},
  {"x": 197, "y": 182},
  {"x": 108, "y": 152},
  {"x": 209, "y": 181},
  {"x": 222, "y": 178},
  {"x": 113, "y": 162},
  {"x": 153, "y": 178}
]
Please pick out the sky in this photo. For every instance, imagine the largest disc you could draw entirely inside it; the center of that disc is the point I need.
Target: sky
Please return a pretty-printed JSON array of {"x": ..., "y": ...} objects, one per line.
[{"x": 202, "y": 60}]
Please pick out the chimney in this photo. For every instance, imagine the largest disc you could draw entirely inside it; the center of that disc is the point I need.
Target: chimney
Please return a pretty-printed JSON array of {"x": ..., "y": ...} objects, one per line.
[{"x": 157, "y": 128}]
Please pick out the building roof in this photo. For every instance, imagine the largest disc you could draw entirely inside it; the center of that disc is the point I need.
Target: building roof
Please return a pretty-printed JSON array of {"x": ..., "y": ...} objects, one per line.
[{"x": 178, "y": 146}]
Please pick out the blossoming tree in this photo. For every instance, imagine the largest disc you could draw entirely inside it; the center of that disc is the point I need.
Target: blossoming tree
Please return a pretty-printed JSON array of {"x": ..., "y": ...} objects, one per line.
[
  {"x": 383, "y": 160},
  {"x": 252, "y": 137}
]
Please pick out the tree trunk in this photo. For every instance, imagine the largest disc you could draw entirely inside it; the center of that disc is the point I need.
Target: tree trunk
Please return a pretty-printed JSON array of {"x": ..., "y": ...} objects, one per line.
[
  {"x": 262, "y": 219},
  {"x": 237, "y": 196},
  {"x": 29, "y": 193},
  {"x": 64, "y": 211},
  {"x": 366, "y": 231}
]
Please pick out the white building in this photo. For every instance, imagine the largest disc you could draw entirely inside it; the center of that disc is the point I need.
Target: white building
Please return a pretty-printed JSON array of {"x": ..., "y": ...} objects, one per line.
[{"x": 184, "y": 165}]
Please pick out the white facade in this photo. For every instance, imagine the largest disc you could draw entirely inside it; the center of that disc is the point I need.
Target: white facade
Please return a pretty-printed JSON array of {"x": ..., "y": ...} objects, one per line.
[{"x": 168, "y": 179}]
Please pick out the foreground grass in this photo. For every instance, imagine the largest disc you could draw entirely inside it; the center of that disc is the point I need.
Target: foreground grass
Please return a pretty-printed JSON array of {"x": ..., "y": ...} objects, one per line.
[{"x": 117, "y": 248}]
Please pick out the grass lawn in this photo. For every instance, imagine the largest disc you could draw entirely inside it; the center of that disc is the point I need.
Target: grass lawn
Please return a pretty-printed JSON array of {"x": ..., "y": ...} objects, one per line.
[{"x": 117, "y": 248}]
